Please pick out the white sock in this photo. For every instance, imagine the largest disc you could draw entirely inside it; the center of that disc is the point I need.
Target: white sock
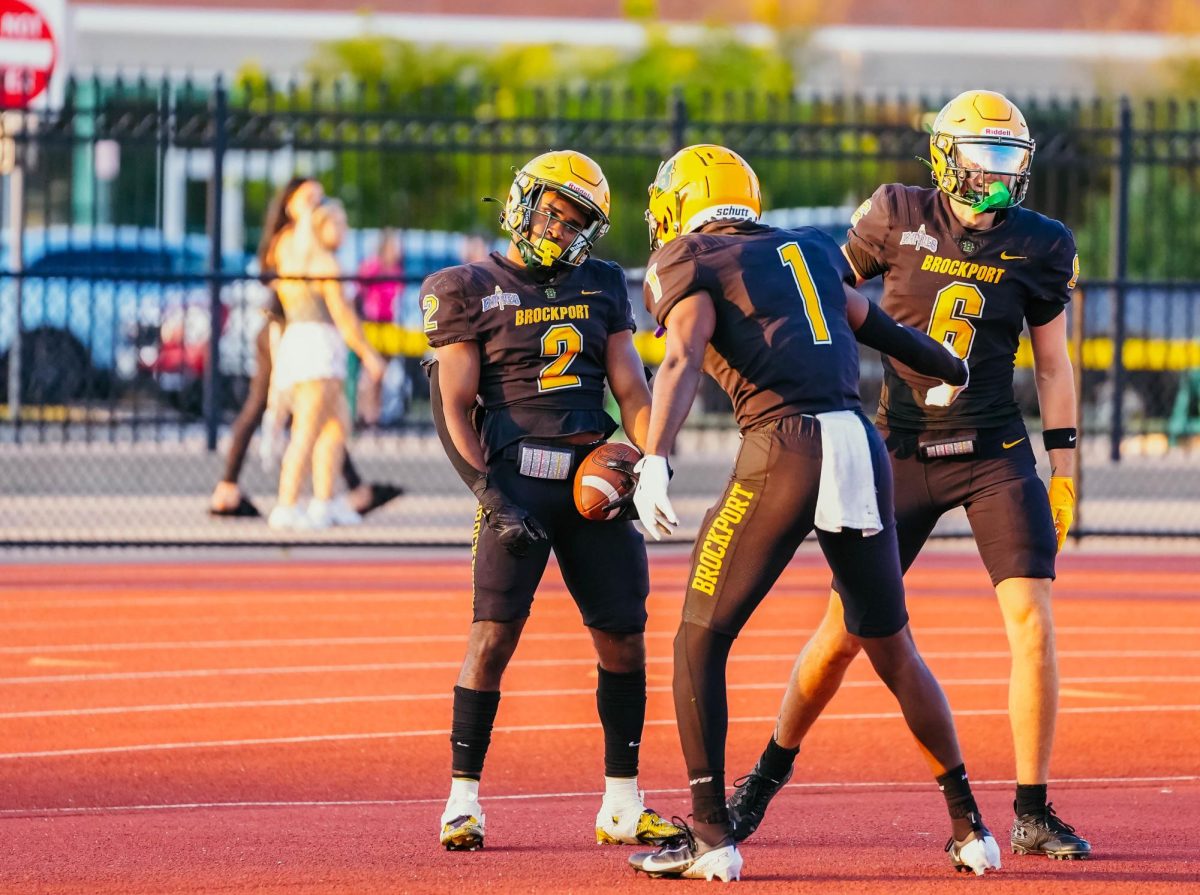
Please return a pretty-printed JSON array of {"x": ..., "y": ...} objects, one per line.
[
  {"x": 621, "y": 791},
  {"x": 464, "y": 789}
]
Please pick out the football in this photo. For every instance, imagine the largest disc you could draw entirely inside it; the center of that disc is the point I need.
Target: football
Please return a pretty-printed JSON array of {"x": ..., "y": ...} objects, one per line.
[{"x": 597, "y": 484}]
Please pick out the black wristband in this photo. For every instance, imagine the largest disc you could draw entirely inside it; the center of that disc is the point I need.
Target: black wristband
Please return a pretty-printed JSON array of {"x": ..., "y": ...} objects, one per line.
[{"x": 1060, "y": 439}]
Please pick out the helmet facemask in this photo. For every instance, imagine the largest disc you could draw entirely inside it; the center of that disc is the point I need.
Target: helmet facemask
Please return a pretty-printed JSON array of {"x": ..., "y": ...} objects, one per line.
[
  {"x": 967, "y": 168},
  {"x": 529, "y": 224}
]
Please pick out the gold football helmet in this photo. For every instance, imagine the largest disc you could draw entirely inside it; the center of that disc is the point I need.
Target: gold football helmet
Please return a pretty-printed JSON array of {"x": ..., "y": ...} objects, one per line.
[
  {"x": 572, "y": 175},
  {"x": 981, "y": 132},
  {"x": 699, "y": 184}
]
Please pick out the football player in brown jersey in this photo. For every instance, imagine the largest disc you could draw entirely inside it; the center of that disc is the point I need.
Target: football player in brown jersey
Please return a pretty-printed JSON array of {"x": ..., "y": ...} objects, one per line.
[
  {"x": 525, "y": 342},
  {"x": 967, "y": 264},
  {"x": 770, "y": 315}
]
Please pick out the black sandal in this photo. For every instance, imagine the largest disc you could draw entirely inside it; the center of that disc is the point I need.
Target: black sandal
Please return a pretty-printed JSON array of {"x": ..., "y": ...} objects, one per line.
[
  {"x": 381, "y": 493},
  {"x": 244, "y": 510}
]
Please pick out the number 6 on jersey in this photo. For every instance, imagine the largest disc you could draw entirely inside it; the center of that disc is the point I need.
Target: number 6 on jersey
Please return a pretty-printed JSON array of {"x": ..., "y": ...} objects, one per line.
[{"x": 949, "y": 323}]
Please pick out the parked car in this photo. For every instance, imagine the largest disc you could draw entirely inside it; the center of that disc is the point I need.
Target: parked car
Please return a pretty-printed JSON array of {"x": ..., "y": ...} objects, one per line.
[
  {"x": 174, "y": 349},
  {"x": 173, "y": 346},
  {"x": 85, "y": 295}
]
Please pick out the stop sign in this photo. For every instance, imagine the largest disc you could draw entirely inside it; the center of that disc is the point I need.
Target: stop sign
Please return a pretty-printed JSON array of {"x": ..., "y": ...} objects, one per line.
[{"x": 28, "y": 52}]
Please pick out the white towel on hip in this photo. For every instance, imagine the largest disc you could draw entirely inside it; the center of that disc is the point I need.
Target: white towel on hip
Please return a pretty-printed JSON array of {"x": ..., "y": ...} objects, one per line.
[{"x": 846, "y": 498}]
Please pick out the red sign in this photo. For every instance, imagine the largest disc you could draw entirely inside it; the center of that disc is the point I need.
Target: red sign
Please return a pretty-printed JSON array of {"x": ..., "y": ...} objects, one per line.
[{"x": 27, "y": 53}]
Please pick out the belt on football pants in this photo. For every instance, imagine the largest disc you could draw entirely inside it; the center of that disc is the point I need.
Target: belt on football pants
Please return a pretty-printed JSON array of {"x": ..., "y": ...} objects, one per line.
[{"x": 541, "y": 459}]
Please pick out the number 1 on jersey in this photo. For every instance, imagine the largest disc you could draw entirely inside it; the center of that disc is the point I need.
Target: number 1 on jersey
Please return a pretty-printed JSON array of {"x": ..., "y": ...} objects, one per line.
[
  {"x": 562, "y": 342},
  {"x": 793, "y": 259}
]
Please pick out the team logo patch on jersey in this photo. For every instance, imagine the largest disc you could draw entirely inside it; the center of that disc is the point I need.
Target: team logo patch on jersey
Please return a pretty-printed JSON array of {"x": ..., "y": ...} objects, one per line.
[
  {"x": 919, "y": 239},
  {"x": 860, "y": 213},
  {"x": 500, "y": 299}
]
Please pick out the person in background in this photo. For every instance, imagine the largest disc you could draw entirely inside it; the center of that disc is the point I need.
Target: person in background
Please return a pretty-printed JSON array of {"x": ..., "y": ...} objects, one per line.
[
  {"x": 381, "y": 277},
  {"x": 476, "y": 247},
  {"x": 310, "y": 364},
  {"x": 227, "y": 499}
]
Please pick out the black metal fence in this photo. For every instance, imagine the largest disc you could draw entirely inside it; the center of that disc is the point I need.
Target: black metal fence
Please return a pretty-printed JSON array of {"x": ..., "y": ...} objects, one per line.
[{"x": 129, "y": 304}]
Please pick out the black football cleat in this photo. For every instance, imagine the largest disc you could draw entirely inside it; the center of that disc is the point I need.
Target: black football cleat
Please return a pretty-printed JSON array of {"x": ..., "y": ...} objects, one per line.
[
  {"x": 1045, "y": 833},
  {"x": 748, "y": 804}
]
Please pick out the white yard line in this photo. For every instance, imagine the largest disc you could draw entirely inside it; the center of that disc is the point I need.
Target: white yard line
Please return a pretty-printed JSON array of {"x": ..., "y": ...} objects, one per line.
[
  {"x": 445, "y": 696},
  {"x": 556, "y": 796},
  {"x": 531, "y": 663},
  {"x": 283, "y": 642},
  {"x": 534, "y": 728}
]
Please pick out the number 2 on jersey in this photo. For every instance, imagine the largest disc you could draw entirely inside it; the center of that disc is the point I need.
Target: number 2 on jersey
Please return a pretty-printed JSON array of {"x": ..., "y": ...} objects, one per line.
[
  {"x": 953, "y": 309},
  {"x": 429, "y": 304},
  {"x": 793, "y": 259},
  {"x": 561, "y": 342}
]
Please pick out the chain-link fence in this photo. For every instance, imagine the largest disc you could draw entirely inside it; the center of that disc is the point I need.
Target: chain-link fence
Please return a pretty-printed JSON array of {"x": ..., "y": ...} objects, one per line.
[{"x": 130, "y": 305}]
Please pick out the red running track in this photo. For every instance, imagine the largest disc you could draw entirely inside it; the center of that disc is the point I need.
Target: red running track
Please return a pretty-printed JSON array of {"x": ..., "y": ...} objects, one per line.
[{"x": 281, "y": 727}]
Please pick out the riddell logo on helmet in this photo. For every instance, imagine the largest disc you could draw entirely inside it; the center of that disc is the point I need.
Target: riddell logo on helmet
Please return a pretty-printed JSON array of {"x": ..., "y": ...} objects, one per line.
[
  {"x": 997, "y": 132},
  {"x": 576, "y": 188}
]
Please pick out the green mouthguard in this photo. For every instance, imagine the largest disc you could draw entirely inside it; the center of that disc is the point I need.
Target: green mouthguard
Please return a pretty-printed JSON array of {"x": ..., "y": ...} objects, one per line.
[{"x": 997, "y": 196}]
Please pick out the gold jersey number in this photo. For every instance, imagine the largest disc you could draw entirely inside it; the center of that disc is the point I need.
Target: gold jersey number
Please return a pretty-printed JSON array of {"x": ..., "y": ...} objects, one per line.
[
  {"x": 793, "y": 259},
  {"x": 954, "y": 308},
  {"x": 429, "y": 304},
  {"x": 562, "y": 342}
]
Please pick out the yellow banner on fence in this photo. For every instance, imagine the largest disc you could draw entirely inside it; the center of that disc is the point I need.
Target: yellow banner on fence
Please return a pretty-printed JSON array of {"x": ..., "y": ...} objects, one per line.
[{"x": 1139, "y": 354}]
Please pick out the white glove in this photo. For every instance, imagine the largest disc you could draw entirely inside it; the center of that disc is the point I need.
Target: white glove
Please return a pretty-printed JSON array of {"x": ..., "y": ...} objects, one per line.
[
  {"x": 981, "y": 855},
  {"x": 945, "y": 394},
  {"x": 650, "y": 497}
]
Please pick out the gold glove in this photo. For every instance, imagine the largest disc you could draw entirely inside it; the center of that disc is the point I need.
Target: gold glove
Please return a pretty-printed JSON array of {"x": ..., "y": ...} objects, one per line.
[{"x": 1062, "y": 505}]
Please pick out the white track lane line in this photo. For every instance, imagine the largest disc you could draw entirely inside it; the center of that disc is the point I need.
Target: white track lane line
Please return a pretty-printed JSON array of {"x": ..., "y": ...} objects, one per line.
[
  {"x": 901, "y": 785},
  {"x": 532, "y": 663},
  {"x": 364, "y": 591},
  {"x": 533, "y": 728},
  {"x": 276, "y": 643},
  {"x": 240, "y": 597},
  {"x": 445, "y": 696}
]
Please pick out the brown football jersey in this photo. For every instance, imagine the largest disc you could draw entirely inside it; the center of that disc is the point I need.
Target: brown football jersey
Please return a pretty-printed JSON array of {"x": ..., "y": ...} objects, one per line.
[
  {"x": 972, "y": 288},
  {"x": 782, "y": 344},
  {"x": 542, "y": 345}
]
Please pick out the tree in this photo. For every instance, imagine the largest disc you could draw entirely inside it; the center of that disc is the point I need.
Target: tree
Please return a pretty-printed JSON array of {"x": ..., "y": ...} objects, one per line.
[{"x": 427, "y": 130}]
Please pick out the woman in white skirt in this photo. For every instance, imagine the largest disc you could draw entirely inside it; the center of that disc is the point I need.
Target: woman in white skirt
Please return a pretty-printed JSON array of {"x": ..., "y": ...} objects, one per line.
[{"x": 310, "y": 365}]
